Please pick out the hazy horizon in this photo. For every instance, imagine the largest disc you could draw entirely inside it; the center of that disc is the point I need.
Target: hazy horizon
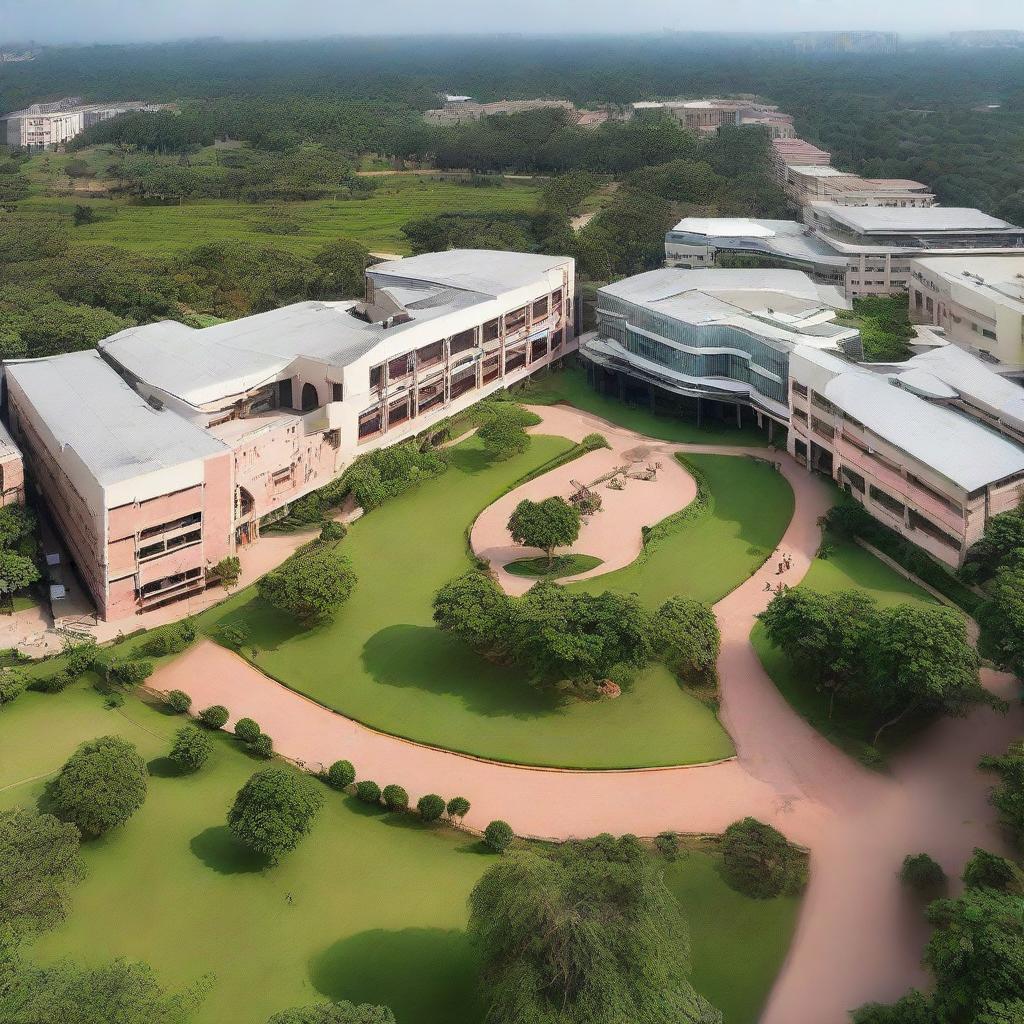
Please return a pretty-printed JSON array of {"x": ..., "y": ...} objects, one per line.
[{"x": 123, "y": 21}]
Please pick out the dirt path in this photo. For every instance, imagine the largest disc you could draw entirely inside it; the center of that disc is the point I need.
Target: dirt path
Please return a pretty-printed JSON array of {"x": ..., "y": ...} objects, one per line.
[{"x": 859, "y": 938}]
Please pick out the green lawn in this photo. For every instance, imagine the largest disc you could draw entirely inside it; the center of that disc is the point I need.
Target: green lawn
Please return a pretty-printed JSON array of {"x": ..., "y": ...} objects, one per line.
[
  {"x": 562, "y": 565},
  {"x": 708, "y": 556},
  {"x": 570, "y": 385},
  {"x": 375, "y": 221},
  {"x": 382, "y": 661},
  {"x": 846, "y": 567},
  {"x": 373, "y": 897}
]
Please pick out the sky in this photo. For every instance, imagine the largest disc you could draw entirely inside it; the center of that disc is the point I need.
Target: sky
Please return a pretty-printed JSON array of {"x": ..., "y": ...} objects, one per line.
[{"x": 86, "y": 21}]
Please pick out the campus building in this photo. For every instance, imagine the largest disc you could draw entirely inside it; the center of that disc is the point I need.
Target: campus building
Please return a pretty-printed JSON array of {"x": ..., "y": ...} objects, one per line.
[
  {"x": 978, "y": 301},
  {"x": 169, "y": 446},
  {"x": 866, "y": 250},
  {"x": 715, "y": 342},
  {"x": 706, "y": 116},
  {"x": 909, "y": 442},
  {"x": 47, "y": 125}
]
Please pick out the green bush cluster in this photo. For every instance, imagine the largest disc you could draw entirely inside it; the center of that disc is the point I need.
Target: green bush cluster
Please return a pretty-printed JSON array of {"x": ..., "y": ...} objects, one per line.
[
  {"x": 169, "y": 639},
  {"x": 758, "y": 861},
  {"x": 922, "y": 872},
  {"x": 129, "y": 672}
]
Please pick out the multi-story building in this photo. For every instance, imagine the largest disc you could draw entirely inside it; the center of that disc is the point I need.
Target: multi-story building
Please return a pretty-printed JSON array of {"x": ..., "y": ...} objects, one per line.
[
  {"x": 12, "y": 471},
  {"x": 774, "y": 122},
  {"x": 978, "y": 301},
  {"x": 46, "y": 125},
  {"x": 708, "y": 115},
  {"x": 716, "y": 341},
  {"x": 463, "y": 109},
  {"x": 867, "y": 250},
  {"x": 189, "y": 438},
  {"x": 904, "y": 444}
]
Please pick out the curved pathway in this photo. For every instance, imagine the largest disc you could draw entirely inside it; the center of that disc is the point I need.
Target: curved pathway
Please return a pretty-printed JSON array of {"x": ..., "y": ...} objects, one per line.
[{"x": 859, "y": 937}]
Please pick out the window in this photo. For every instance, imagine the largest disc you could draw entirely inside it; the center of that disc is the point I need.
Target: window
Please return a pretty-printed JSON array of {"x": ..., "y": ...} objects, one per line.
[
  {"x": 540, "y": 308},
  {"x": 175, "y": 524},
  {"x": 376, "y": 376},
  {"x": 988, "y": 334},
  {"x": 799, "y": 389},
  {"x": 887, "y": 501},
  {"x": 515, "y": 320},
  {"x": 855, "y": 480},
  {"x": 337, "y": 392},
  {"x": 491, "y": 330}
]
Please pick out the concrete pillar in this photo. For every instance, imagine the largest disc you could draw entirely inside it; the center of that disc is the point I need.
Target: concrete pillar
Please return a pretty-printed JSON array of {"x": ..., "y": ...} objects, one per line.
[
  {"x": 771, "y": 427},
  {"x": 700, "y": 412},
  {"x": 650, "y": 395},
  {"x": 739, "y": 415}
]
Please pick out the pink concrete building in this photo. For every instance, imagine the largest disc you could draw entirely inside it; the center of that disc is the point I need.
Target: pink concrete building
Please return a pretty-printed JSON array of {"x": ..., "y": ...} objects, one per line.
[
  {"x": 12, "y": 471},
  {"x": 170, "y": 446}
]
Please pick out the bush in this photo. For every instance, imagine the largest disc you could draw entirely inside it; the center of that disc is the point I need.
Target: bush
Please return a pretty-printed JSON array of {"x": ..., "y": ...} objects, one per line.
[
  {"x": 130, "y": 672},
  {"x": 100, "y": 786},
  {"x": 333, "y": 531},
  {"x": 191, "y": 748},
  {"x": 262, "y": 746},
  {"x": 247, "y": 730},
  {"x": 990, "y": 871},
  {"x": 172, "y": 639},
  {"x": 458, "y": 807},
  {"x": 227, "y": 570},
  {"x": 12, "y": 686},
  {"x": 431, "y": 807},
  {"x": 56, "y": 683},
  {"x": 395, "y": 798},
  {"x": 81, "y": 659},
  {"x": 179, "y": 702},
  {"x": 667, "y": 844},
  {"x": 368, "y": 792},
  {"x": 921, "y": 872},
  {"x": 274, "y": 811},
  {"x": 503, "y": 438},
  {"x": 759, "y": 862},
  {"x": 341, "y": 774},
  {"x": 499, "y": 835},
  {"x": 215, "y": 716}
]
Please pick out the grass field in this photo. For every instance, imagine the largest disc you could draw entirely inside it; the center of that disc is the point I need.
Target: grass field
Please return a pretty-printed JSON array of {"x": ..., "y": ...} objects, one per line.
[
  {"x": 371, "y": 907},
  {"x": 382, "y": 661},
  {"x": 376, "y": 221},
  {"x": 847, "y": 566},
  {"x": 562, "y": 565},
  {"x": 570, "y": 385}
]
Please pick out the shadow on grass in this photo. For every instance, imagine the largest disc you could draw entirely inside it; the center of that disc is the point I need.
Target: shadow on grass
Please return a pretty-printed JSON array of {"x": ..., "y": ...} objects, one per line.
[
  {"x": 423, "y": 658},
  {"x": 218, "y": 849},
  {"x": 164, "y": 768},
  {"x": 426, "y": 975}
]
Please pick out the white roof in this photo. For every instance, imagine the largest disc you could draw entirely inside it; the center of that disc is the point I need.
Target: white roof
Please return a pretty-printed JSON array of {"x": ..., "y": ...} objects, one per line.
[
  {"x": 727, "y": 227},
  {"x": 91, "y": 410},
  {"x": 999, "y": 279},
  {"x": 487, "y": 271},
  {"x": 921, "y": 219},
  {"x": 819, "y": 171}
]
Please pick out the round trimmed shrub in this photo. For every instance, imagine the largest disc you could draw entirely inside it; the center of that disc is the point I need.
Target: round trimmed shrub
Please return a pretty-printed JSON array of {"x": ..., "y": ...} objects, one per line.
[
  {"x": 922, "y": 873},
  {"x": 431, "y": 807},
  {"x": 12, "y": 686},
  {"x": 215, "y": 716},
  {"x": 368, "y": 792},
  {"x": 274, "y": 811},
  {"x": 191, "y": 748},
  {"x": 179, "y": 701},
  {"x": 499, "y": 835},
  {"x": 341, "y": 775},
  {"x": 758, "y": 860},
  {"x": 247, "y": 730},
  {"x": 458, "y": 807},
  {"x": 396, "y": 798},
  {"x": 262, "y": 746}
]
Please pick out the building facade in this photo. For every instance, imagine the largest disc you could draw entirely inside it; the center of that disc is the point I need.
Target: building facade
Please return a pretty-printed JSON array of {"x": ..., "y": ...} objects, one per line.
[
  {"x": 267, "y": 408},
  {"x": 48, "y": 125}
]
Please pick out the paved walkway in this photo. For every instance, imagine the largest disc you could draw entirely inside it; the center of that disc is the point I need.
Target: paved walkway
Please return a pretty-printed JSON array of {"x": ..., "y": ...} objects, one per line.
[{"x": 859, "y": 937}]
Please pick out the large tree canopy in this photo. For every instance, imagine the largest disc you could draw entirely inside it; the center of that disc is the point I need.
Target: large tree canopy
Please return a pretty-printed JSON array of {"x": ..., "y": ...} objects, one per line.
[{"x": 548, "y": 524}]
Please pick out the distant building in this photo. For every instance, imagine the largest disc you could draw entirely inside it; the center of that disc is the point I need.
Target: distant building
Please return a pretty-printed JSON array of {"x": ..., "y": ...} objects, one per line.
[
  {"x": 839, "y": 43},
  {"x": 169, "y": 446},
  {"x": 12, "y": 471},
  {"x": 706, "y": 116},
  {"x": 464, "y": 109},
  {"x": 978, "y": 301},
  {"x": 990, "y": 38},
  {"x": 47, "y": 125},
  {"x": 863, "y": 250}
]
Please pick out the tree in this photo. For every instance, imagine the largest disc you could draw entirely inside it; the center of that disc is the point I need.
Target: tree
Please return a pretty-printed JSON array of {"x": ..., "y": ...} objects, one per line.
[
  {"x": 1008, "y": 796},
  {"x": 586, "y": 932},
  {"x": 215, "y": 716},
  {"x": 100, "y": 786},
  {"x": 191, "y": 748},
  {"x": 395, "y": 798},
  {"x": 247, "y": 730},
  {"x": 274, "y": 811},
  {"x": 16, "y": 573},
  {"x": 227, "y": 570},
  {"x": 475, "y": 609},
  {"x": 687, "y": 635},
  {"x": 12, "y": 685},
  {"x": 342, "y": 264},
  {"x": 499, "y": 835},
  {"x": 430, "y": 807},
  {"x": 1004, "y": 536},
  {"x": 758, "y": 861},
  {"x": 667, "y": 844},
  {"x": 503, "y": 438},
  {"x": 342, "y": 1012},
  {"x": 458, "y": 807},
  {"x": 311, "y": 585},
  {"x": 341, "y": 774},
  {"x": 990, "y": 871},
  {"x": 913, "y": 1008},
  {"x": 39, "y": 865},
  {"x": 922, "y": 873},
  {"x": 546, "y": 524},
  {"x": 1001, "y": 618}
]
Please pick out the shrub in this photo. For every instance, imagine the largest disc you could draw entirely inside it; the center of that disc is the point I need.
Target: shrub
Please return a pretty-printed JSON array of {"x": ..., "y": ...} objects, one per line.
[
  {"x": 341, "y": 774},
  {"x": 458, "y": 807},
  {"x": 215, "y": 716},
  {"x": 227, "y": 570},
  {"x": 81, "y": 659},
  {"x": 12, "y": 686},
  {"x": 431, "y": 807},
  {"x": 262, "y": 746},
  {"x": 332, "y": 531},
  {"x": 274, "y": 811},
  {"x": 499, "y": 835},
  {"x": 191, "y": 748},
  {"x": 130, "y": 672},
  {"x": 247, "y": 730},
  {"x": 100, "y": 786},
  {"x": 395, "y": 798},
  {"x": 342, "y": 1012},
  {"x": 179, "y": 702},
  {"x": 922, "y": 873},
  {"x": 172, "y": 639},
  {"x": 56, "y": 683},
  {"x": 368, "y": 792},
  {"x": 667, "y": 844},
  {"x": 990, "y": 871},
  {"x": 503, "y": 438},
  {"x": 759, "y": 862}
]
